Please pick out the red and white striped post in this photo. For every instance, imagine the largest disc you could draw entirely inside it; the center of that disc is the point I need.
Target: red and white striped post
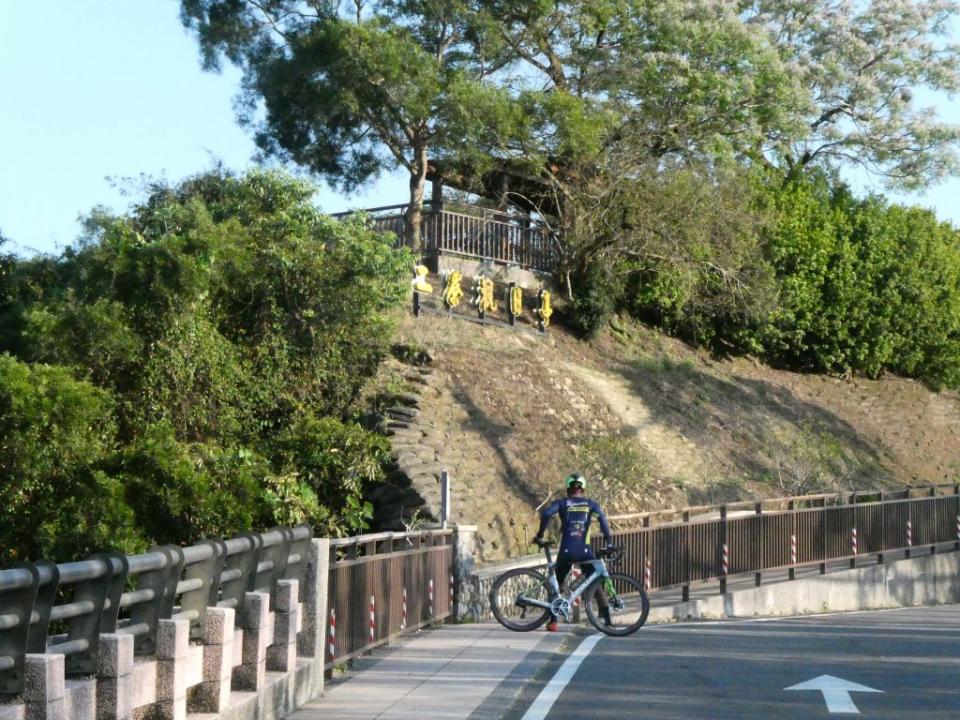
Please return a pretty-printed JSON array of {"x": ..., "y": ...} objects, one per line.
[
  {"x": 793, "y": 555},
  {"x": 724, "y": 566},
  {"x": 430, "y": 597},
  {"x": 403, "y": 610},
  {"x": 332, "y": 635},
  {"x": 853, "y": 547},
  {"x": 909, "y": 536},
  {"x": 647, "y": 574},
  {"x": 450, "y": 606},
  {"x": 958, "y": 532},
  {"x": 373, "y": 619}
]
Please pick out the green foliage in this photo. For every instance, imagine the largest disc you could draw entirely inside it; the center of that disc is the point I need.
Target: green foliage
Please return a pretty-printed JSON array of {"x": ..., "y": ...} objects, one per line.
[
  {"x": 864, "y": 286},
  {"x": 208, "y": 345},
  {"x": 184, "y": 492},
  {"x": 337, "y": 461},
  {"x": 55, "y": 432}
]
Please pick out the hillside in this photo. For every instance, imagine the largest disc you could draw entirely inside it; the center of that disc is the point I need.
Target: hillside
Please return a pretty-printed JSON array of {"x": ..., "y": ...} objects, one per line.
[{"x": 651, "y": 421}]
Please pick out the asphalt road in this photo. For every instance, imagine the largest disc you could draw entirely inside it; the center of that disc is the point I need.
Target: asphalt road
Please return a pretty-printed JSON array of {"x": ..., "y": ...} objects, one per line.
[{"x": 742, "y": 669}]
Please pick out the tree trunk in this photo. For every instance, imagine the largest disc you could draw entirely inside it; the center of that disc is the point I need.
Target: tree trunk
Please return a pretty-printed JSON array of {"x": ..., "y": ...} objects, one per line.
[{"x": 414, "y": 215}]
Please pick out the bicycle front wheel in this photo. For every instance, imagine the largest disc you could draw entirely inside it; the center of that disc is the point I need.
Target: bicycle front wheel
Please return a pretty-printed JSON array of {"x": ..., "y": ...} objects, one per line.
[
  {"x": 511, "y": 595},
  {"x": 627, "y": 600}
]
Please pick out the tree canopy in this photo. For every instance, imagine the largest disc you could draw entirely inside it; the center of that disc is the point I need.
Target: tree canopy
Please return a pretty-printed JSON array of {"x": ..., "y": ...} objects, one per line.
[{"x": 187, "y": 369}]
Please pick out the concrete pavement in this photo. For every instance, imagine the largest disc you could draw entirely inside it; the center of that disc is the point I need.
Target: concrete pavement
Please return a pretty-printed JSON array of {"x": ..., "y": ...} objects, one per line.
[{"x": 453, "y": 672}]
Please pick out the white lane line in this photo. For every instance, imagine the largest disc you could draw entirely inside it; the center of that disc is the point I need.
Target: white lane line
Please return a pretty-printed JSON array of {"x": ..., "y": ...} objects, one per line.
[{"x": 548, "y": 696}]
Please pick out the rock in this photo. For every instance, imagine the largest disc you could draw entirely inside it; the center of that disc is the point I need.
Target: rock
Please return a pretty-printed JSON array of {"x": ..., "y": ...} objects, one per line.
[
  {"x": 402, "y": 413},
  {"x": 408, "y": 399}
]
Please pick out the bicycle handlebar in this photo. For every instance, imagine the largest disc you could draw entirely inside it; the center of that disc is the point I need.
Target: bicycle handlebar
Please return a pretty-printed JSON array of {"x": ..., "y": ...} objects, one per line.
[{"x": 612, "y": 553}]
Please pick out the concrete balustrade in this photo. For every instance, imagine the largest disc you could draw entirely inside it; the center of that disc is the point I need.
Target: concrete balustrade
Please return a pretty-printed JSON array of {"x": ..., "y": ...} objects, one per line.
[{"x": 258, "y": 664}]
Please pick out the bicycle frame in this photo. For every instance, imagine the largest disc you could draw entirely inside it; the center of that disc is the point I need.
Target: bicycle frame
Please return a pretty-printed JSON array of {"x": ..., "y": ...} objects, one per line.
[{"x": 570, "y": 599}]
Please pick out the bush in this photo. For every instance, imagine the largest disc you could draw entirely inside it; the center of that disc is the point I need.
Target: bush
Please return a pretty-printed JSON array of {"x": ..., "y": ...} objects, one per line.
[
  {"x": 338, "y": 461},
  {"x": 185, "y": 492},
  {"x": 55, "y": 500},
  {"x": 864, "y": 286}
]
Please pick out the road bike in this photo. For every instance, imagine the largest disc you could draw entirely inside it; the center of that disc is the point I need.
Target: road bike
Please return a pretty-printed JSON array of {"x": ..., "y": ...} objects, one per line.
[{"x": 523, "y": 599}]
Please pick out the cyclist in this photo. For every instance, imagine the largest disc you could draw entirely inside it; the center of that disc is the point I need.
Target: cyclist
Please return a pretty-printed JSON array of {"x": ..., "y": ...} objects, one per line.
[{"x": 576, "y": 512}]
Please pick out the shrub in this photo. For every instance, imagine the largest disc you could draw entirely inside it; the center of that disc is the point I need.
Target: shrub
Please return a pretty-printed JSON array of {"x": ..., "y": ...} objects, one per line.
[
  {"x": 337, "y": 460},
  {"x": 55, "y": 500}
]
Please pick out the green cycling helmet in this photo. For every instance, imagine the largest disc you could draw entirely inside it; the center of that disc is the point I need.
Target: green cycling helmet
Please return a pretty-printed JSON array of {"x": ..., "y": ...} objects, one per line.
[{"x": 576, "y": 479}]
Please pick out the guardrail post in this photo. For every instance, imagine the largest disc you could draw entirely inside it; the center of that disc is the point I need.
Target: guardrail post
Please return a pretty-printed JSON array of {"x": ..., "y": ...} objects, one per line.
[
  {"x": 207, "y": 573},
  {"x": 45, "y": 689},
  {"x": 163, "y": 583},
  {"x": 464, "y": 547},
  {"x": 282, "y": 653},
  {"x": 115, "y": 689},
  {"x": 758, "y": 576},
  {"x": 312, "y": 638},
  {"x": 792, "y": 507},
  {"x": 212, "y": 695},
  {"x": 956, "y": 494},
  {"x": 16, "y": 607},
  {"x": 257, "y": 625},
  {"x": 685, "y": 591},
  {"x": 177, "y": 662},
  {"x": 724, "y": 550},
  {"x": 86, "y": 627},
  {"x": 823, "y": 535},
  {"x": 883, "y": 525}
]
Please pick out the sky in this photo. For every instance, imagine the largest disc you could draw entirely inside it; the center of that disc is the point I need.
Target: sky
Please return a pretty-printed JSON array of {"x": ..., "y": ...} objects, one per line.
[{"x": 93, "y": 92}]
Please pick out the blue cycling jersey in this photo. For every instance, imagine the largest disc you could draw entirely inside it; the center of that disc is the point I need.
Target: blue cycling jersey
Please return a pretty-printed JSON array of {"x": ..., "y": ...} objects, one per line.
[{"x": 576, "y": 514}]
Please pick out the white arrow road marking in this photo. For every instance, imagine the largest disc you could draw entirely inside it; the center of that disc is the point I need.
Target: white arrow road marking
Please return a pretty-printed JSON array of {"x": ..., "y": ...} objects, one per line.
[
  {"x": 548, "y": 696},
  {"x": 836, "y": 692}
]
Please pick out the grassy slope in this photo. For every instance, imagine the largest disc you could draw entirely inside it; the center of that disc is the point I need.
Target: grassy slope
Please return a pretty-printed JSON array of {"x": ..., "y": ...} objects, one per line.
[{"x": 658, "y": 424}]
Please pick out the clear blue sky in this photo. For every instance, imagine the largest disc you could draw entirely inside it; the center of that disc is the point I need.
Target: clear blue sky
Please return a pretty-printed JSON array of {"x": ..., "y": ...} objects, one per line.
[{"x": 99, "y": 89}]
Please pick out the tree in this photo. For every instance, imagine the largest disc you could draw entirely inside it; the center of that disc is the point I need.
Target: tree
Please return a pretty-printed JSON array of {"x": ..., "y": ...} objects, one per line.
[
  {"x": 346, "y": 93},
  {"x": 863, "y": 63}
]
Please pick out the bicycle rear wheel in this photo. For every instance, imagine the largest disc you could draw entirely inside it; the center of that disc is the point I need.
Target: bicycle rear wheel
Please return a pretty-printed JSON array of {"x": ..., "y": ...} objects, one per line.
[
  {"x": 628, "y": 602},
  {"x": 509, "y": 598}
]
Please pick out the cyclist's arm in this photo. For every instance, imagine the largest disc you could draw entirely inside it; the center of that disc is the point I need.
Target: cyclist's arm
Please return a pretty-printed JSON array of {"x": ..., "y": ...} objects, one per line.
[
  {"x": 548, "y": 512},
  {"x": 604, "y": 526}
]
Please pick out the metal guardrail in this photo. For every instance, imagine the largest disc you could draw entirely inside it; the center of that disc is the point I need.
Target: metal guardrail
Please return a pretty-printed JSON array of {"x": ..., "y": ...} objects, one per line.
[
  {"x": 473, "y": 232},
  {"x": 710, "y": 543},
  {"x": 113, "y": 593},
  {"x": 386, "y": 584}
]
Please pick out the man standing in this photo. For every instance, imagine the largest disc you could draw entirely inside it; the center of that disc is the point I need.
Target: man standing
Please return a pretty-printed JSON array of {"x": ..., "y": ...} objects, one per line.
[{"x": 576, "y": 512}]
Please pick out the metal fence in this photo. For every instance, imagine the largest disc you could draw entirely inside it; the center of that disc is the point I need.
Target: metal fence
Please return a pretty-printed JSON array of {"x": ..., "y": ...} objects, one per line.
[
  {"x": 473, "y": 232},
  {"x": 63, "y": 609},
  {"x": 385, "y": 584},
  {"x": 711, "y": 543}
]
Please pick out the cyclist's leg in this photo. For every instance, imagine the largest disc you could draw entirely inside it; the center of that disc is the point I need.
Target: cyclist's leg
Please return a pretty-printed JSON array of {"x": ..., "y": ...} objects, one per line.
[
  {"x": 603, "y": 605},
  {"x": 588, "y": 569},
  {"x": 562, "y": 570}
]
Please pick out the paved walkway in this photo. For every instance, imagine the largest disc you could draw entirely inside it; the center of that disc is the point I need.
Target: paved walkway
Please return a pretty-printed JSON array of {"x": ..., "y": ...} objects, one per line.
[{"x": 449, "y": 673}]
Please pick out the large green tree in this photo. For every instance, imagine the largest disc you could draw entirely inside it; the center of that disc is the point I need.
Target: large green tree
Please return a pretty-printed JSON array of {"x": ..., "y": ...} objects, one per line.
[
  {"x": 347, "y": 90},
  {"x": 866, "y": 66}
]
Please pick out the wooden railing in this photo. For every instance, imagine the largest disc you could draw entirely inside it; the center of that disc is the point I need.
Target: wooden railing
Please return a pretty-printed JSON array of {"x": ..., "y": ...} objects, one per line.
[
  {"x": 473, "y": 232},
  {"x": 384, "y": 585}
]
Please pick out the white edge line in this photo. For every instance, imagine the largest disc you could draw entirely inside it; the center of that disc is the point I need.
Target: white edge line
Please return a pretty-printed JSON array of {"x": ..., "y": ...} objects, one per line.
[{"x": 548, "y": 696}]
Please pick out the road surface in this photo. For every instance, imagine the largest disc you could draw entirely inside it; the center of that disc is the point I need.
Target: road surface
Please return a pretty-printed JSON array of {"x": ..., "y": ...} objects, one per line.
[{"x": 883, "y": 664}]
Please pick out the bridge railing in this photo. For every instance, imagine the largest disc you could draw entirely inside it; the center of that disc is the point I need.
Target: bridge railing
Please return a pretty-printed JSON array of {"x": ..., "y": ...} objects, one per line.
[
  {"x": 711, "y": 543},
  {"x": 386, "y": 584},
  {"x": 176, "y": 629}
]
